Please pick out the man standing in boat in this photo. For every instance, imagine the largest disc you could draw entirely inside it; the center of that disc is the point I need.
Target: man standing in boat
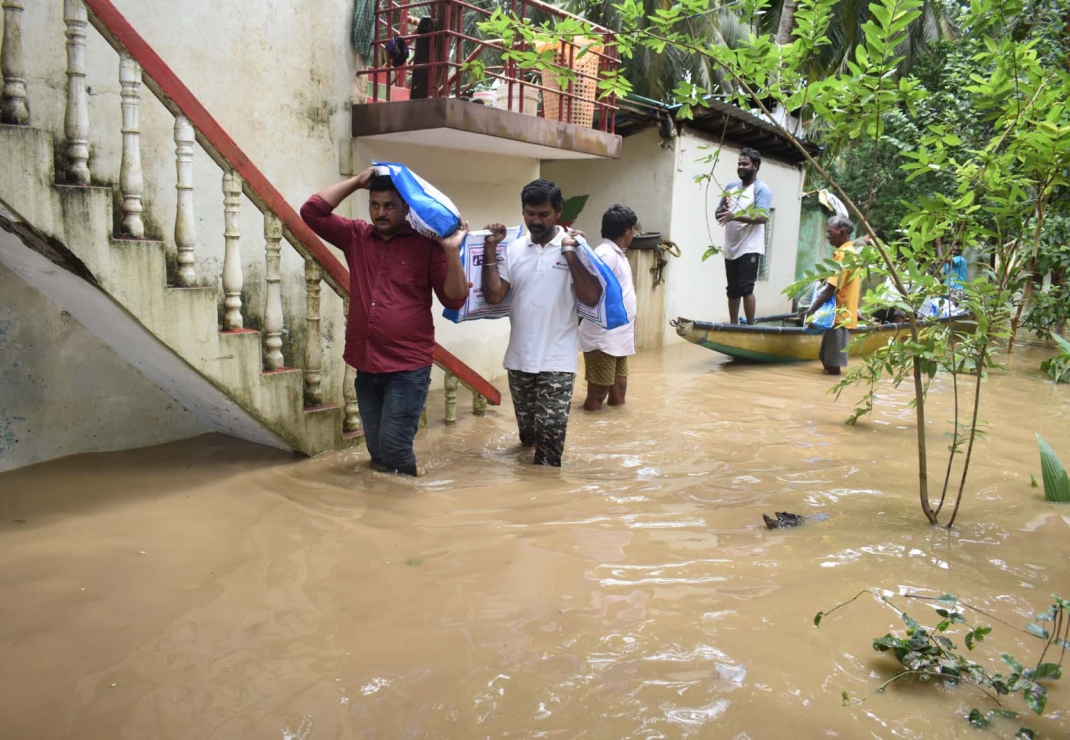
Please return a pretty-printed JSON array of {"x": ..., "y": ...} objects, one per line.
[
  {"x": 846, "y": 285},
  {"x": 744, "y": 211}
]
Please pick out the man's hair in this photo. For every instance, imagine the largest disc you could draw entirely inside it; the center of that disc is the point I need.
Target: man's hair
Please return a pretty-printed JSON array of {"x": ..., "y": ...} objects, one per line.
[
  {"x": 839, "y": 223},
  {"x": 540, "y": 191},
  {"x": 382, "y": 184},
  {"x": 617, "y": 220},
  {"x": 753, "y": 155}
]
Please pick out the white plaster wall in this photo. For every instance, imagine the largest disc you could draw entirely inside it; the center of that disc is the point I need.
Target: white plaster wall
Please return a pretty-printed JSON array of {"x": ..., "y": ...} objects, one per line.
[
  {"x": 485, "y": 188},
  {"x": 641, "y": 179},
  {"x": 63, "y": 391},
  {"x": 696, "y": 289},
  {"x": 276, "y": 74}
]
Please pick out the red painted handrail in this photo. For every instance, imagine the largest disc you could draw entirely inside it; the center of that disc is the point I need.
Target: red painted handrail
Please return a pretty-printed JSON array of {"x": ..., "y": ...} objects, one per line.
[{"x": 178, "y": 99}]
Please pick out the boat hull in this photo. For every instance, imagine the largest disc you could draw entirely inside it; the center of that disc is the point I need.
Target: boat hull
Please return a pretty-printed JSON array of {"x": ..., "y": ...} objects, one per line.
[{"x": 764, "y": 342}]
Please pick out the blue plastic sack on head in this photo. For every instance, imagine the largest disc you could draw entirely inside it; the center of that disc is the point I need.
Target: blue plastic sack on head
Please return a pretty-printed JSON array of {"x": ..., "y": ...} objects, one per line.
[
  {"x": 824, "y": 317},
  {"x": 430, "y": 212},
  {"x": 476, "y": 306},
  {"x": 610, "y": 312}
]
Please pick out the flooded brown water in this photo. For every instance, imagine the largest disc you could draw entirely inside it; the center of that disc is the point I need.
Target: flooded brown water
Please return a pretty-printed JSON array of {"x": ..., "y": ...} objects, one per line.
[{"x": 213, "y": 589}]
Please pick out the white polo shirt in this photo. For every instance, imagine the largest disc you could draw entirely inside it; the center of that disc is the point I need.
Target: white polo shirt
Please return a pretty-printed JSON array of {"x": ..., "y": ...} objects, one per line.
[
  {"x": 544, "y": 335},
  {"x": 619, "y": 342}
]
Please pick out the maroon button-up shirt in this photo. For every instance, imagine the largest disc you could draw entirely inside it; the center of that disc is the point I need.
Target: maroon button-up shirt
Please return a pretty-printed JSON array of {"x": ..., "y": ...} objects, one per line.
[{"x": 390, "y": 327}]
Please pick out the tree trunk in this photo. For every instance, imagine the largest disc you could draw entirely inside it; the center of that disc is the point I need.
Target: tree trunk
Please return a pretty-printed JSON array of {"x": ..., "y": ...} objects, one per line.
[{"x": 787, "y": 22}]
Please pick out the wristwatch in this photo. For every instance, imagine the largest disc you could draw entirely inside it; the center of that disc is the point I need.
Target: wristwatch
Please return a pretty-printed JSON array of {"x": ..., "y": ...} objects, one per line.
[{"x": 567, "y": 248}]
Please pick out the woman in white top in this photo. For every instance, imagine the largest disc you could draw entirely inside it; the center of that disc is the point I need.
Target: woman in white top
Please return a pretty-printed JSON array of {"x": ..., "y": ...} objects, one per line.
[{"x": 605, "y": 351}]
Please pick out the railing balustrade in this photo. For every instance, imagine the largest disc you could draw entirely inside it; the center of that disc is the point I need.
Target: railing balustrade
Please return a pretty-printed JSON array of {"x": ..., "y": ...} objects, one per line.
[
  {"x": 445, "y": 50},
  {"x": 14, "y": 109},
  {"x": 140, "y": 65}
]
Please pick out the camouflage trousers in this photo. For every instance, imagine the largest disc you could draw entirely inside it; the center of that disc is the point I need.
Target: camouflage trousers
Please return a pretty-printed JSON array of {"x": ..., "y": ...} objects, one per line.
[{"x": 542, "y": 402}]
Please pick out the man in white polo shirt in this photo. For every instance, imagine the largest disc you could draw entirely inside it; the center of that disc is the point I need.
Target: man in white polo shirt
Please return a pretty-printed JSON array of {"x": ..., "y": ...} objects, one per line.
[{"x": 546, "y": 279}]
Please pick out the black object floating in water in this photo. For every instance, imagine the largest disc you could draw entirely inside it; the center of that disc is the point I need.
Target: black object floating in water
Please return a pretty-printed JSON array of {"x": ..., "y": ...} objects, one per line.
[{"x": 783, "y": 519}]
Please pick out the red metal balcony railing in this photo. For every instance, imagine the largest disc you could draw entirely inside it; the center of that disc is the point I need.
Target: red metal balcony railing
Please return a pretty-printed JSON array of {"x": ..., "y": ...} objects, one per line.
[{"x": 441, "y": 46}]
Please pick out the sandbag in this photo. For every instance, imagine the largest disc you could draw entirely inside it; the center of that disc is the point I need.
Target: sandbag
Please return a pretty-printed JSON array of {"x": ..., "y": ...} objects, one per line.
[
  {"x": 610, "y": 312},
  {"x": 476, "y": 306},
  {"x": 823, "y": 318},
  {"x": 430, "y": 212}
]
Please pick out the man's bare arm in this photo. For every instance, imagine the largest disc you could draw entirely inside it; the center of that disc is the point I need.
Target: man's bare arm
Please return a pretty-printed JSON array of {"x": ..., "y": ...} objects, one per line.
[{"x": 494, "y": 288}]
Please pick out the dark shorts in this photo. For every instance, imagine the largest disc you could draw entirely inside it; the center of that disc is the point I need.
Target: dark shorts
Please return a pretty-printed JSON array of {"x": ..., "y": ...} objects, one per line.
[{"x": 742, "y": 272}]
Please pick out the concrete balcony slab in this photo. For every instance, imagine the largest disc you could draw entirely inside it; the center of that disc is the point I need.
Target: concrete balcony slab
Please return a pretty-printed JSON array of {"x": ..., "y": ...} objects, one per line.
[{"x": 448, "y": 123}]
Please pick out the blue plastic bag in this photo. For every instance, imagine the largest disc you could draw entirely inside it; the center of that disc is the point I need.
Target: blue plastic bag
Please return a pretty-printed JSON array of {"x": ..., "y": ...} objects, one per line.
[
  {"x": 610, "y": 312},
  {"x": 430, "y": 212},
  {"x": 476, "y": 306},
  {"x": 824, "y": 317}
]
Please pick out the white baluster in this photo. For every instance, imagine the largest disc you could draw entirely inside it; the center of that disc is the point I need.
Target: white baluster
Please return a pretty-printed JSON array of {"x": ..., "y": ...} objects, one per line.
[
  {"x": 185, "y": 223},
  {"x": 232, "y": 277},
  {"x": 14, "y": 110},
  {"x": 452, "y": 383},
  {"x": 77, "y": 121},
  {"x": 479, "y": 404},
  {"x": 273, "y": 359},
  {"x": 351, "y": 424},
  {"x": 313, "y": 335},
  {"x": 131, "y": 181}
]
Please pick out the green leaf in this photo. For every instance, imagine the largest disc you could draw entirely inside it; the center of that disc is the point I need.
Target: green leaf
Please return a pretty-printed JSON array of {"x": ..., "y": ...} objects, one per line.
[
  {"x": 1045, "y": 670},
  {"x": 977, "y": 719},
  {"x": 1011, "y": 662},
  {"x": 413, "y": 561},
  {"x": 1035, "y": 629},
  {"x": 1036, "y": 696},
  {"x": 572, "y": 208},
  {"x": 817, "y": 618},
  {"x": 1056, "y": 481},
  {"x": 1033, "y": 481}
]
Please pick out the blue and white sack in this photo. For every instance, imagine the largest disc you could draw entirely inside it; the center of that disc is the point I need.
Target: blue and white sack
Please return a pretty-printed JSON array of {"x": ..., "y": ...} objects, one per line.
[
  {"x": 610, "y": 312},
  {"x": 476, "y": 306},
  {"x": 430, "y": 212},
  {"x": 824, "y": 317}
]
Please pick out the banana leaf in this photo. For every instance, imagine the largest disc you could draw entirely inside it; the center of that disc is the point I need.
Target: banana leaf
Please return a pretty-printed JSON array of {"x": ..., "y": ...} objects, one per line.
[{"x": 1056, "y": 481}]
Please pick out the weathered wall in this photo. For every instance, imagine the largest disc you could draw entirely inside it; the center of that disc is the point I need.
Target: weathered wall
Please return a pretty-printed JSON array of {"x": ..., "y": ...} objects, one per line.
[
  {"x": 696, "y": 289},
  {"x": 63, "y": 391},
  {"x": 641, "y": 179},
  {"x": 278, "y": 78}
]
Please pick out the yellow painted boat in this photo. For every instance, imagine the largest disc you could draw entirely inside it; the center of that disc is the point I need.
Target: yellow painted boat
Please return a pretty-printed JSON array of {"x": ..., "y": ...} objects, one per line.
[{"x": 781, "y": 338}]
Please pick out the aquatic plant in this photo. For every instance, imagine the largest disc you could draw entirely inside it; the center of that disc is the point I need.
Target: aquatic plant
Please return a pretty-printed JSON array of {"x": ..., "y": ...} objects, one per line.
[
  {"x": 1058, "y": 367},
  {"x": 1056, "y": 481},
  {"x": 929, "y": 655}
]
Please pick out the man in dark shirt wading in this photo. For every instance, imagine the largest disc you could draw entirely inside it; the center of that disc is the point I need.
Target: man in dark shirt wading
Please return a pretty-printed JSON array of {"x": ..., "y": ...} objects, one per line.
[{"x": 390, "y": 334}]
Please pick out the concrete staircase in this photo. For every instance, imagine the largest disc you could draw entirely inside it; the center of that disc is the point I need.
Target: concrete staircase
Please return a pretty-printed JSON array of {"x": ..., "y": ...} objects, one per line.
[{"x": 74, "y": 225}]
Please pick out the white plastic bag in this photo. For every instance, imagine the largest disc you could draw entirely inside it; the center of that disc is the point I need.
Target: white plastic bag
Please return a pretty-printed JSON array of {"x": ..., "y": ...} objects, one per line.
[
  {"x": 610, "y": 311},
  {"x": 476, "y": 306}
]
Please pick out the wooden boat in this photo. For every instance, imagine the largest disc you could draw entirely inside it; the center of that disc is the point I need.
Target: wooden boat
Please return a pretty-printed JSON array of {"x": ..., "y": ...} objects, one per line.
[{"x": 781, "y": 338}]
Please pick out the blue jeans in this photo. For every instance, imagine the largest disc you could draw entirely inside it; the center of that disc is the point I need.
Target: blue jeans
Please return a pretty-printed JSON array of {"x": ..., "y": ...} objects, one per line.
[{"x": 390, "y": 405}]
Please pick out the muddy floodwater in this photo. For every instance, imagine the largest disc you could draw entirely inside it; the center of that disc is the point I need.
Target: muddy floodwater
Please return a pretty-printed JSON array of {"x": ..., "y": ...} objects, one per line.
[{"x": 215, "y": 589}]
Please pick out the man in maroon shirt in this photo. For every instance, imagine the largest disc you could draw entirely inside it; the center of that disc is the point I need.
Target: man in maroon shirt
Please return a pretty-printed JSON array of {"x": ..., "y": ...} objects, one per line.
[{"x": 390, "y": 333}]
